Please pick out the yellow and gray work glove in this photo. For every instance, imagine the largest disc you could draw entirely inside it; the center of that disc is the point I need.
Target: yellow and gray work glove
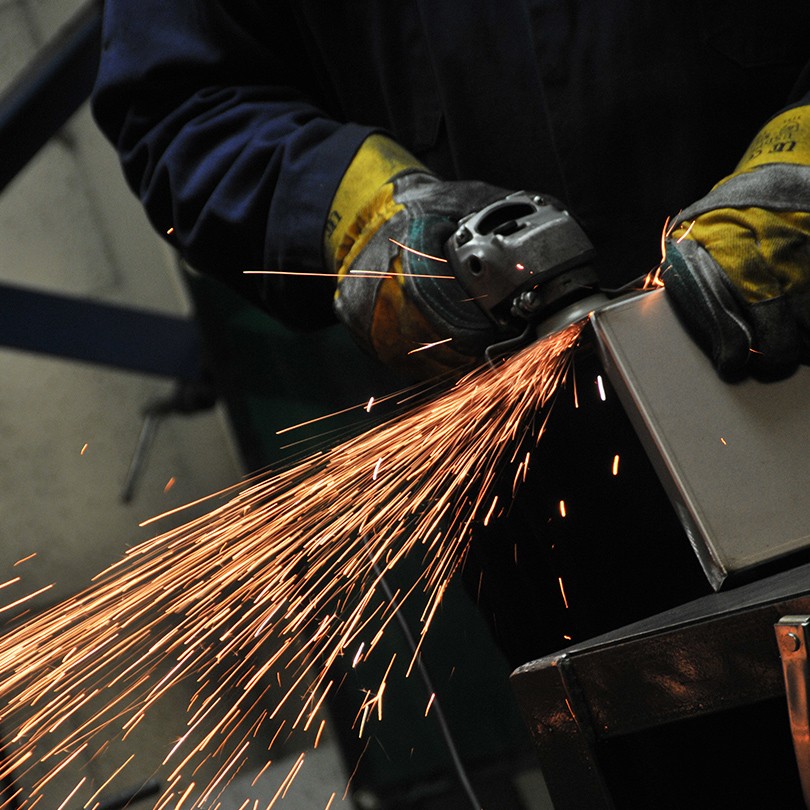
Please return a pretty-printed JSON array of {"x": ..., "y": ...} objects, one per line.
[
  {"x": 737, "y": 267},
  {"x": 389, "y": 216}
]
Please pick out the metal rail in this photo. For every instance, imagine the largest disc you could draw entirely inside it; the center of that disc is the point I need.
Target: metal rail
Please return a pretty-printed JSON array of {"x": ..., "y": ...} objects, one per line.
[{"x": 49, "y": 90}]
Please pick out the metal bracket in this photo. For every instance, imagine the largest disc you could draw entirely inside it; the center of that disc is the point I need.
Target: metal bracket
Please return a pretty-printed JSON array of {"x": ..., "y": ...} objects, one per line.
[{"x": 792, "y": 639}]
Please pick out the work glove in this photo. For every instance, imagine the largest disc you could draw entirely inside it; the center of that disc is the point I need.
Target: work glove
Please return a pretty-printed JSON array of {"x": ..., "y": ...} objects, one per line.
[
  {"x": 737, "y": 266},
  {"x": 384, "y": 239}
]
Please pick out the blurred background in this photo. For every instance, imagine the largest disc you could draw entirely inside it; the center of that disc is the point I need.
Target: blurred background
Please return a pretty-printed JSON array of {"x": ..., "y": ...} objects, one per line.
[{"x": 130, "y": 387}]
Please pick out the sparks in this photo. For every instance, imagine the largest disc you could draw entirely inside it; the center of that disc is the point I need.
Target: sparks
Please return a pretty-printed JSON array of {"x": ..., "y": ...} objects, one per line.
[
  {"x": 355, "y": 271},
  {"x": 601, "y": 385},
  {"x": 320, "y": 419},
  {"x": 169, "y": 484},
  {"x": 321, "y": 727},
  {"x": 430, "y": 345},
  {"x": 199, "y": 602},
  {"x": 430, "y": 703},
  {"x": 84, "y": 449},
  {"x": 685, "y": 233},
  {"x": 562, "y": 592},
  {"x": 24, "y": 599},
  {"x": 401, "y": 395},
  {"x": 665, "y": 232},
  {"x": 491, "y": 510},
  {"x": 563, "y": 510},
  {"x": 376, "y": 469},
  {"x": 654, "y": 278},
  {"x": 616, "y": 464},
  {"x": 420, "y": 253},
  {"x": 724, "y": 441}
]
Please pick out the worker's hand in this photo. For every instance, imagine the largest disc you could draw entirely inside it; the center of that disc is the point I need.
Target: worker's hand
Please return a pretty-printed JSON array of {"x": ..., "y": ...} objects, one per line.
[
  {"x": 385, "y": 238},
  {"x": 737, "y": 266}
]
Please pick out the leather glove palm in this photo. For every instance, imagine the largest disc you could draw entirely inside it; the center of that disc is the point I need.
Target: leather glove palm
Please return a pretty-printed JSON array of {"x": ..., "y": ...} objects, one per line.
[
  {"x": 390, "y": 220},
  {"x": 737, "y": 267}
]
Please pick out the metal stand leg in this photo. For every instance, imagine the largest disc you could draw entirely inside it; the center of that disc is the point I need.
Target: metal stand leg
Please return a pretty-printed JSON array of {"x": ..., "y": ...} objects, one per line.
[
  {"x": 190, "y": 396},
  {"x": 792, "y": 638}
]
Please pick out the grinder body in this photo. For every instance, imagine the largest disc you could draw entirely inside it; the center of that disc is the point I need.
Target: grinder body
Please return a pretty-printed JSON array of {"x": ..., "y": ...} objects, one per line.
[{"x": 523, "y": 259}]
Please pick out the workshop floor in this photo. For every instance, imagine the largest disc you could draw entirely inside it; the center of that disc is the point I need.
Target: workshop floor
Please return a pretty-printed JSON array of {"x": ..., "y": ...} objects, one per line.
[{"x": 69, "y": 429}]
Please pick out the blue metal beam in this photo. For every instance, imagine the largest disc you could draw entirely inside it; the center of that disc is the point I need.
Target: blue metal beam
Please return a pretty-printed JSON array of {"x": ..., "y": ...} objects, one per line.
[{"x": 94, "y": 332}]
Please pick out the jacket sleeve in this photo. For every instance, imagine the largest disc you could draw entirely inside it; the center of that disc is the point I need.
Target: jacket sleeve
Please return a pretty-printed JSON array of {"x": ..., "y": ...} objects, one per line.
[{"x": 209, "y": 106}]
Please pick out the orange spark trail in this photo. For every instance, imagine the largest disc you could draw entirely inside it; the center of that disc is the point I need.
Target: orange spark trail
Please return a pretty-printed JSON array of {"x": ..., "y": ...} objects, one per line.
[
  {"x": 297, "y": 556},
  {"x": 373, "y": 274},
  {"x": 420, "y": 253},
  {"x": 430, "y": 345}
]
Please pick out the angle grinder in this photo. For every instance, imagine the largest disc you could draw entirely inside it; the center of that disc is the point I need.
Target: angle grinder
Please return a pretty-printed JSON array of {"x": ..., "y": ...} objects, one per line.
[{"x": 528, "y": 265}]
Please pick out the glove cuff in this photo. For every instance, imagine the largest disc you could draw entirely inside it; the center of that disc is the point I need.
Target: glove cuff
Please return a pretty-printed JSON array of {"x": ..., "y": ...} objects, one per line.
[
  {"x": 709, "y": 305},
  {"x": 784, "y": 139},
  {"x": 775, "y": 187},
  {"x": 358, "y": 199}
]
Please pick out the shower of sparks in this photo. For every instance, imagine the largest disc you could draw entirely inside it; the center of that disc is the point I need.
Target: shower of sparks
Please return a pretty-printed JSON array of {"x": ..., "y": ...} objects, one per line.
[{"x": 296, "y": 557}]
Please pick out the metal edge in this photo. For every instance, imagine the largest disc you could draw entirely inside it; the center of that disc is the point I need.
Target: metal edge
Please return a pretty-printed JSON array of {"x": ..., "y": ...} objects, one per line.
[{"x": 640, "y": 418}]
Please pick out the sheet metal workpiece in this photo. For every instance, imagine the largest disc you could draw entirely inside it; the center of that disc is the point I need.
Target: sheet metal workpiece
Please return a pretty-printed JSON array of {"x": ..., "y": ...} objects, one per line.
[{"x": 734, "y": 458}]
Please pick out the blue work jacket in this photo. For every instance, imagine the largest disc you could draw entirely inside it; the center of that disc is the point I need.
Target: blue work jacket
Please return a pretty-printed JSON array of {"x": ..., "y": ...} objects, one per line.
[{"x": 235, "y": 119}]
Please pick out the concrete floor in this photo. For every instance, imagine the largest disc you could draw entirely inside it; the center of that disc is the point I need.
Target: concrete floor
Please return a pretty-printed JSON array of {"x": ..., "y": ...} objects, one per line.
[{"x": 68, "y": 429}]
